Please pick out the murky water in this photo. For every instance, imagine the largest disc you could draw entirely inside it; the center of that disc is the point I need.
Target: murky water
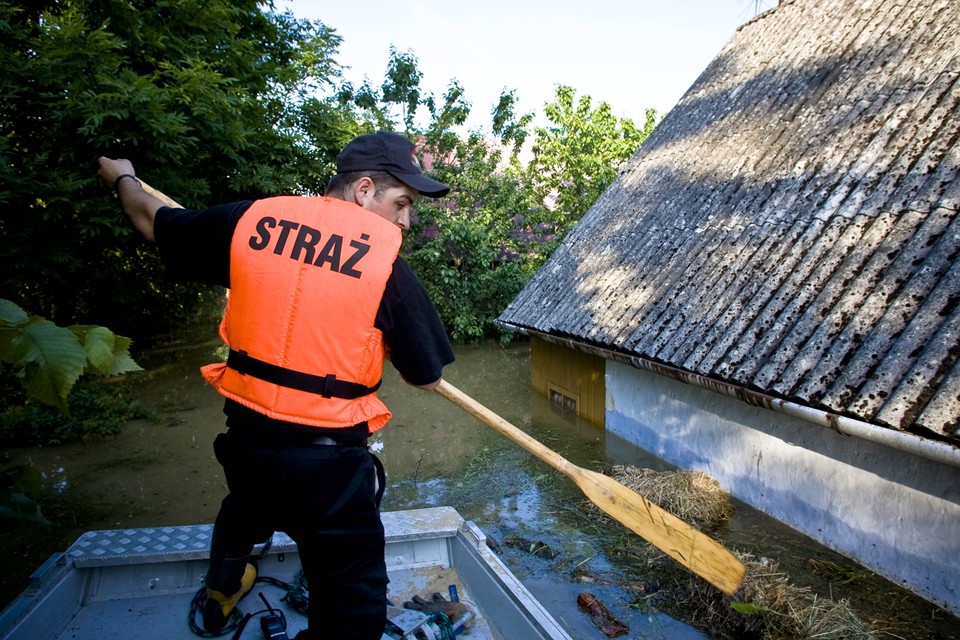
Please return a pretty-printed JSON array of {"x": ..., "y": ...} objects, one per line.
[
  {"x": 434, "y": 454},
  {"x": 162, "y": 472}
]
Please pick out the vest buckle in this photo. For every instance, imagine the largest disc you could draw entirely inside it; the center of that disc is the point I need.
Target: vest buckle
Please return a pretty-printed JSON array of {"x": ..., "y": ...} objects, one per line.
[{"x": 329, "y": 385}]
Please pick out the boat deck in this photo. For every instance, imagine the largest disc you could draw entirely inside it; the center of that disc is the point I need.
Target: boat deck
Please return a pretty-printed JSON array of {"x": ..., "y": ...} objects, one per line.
[{"x": 140, "y": 583}]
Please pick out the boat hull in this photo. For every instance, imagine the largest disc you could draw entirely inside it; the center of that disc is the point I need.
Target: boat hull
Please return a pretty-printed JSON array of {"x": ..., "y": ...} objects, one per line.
[{"x": 140, "y": 582}]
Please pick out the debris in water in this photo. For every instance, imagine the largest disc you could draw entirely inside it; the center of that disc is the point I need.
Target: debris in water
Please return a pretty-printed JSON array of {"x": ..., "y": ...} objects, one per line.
[
  {"x": 538, "y": 548},
  {"x": 835, "y": 572},
  {"x": 643, "y": 586},
  {"x": 600, "y": 616},
  {"x": 589, "y": 578},
  {"x": 581, "y": 574},
  {"x": 768, "y": 605},
  {"x": 692, "y": 496}
]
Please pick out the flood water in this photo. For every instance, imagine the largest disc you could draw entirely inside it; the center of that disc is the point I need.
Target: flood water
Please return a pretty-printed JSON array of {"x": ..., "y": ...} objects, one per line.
[{"x": 162, "y": 472}]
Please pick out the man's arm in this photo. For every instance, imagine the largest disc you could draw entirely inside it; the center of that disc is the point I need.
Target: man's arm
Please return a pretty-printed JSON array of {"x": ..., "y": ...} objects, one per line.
[
  {"x": 412, "y": 329},
  {"x": 140, "y": 206}
]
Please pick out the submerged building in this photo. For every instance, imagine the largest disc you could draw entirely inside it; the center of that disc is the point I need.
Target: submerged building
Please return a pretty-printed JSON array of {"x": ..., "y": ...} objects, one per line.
[{"x": 769, "y": 291}]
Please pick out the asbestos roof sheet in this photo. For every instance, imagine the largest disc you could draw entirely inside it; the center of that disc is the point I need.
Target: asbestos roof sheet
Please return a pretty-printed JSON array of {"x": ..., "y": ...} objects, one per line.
[{"x": 791, "y": 226}]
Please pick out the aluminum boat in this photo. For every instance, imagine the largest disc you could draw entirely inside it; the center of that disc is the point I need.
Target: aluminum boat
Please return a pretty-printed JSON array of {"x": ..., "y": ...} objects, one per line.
[{"x": 142, "y": 583}]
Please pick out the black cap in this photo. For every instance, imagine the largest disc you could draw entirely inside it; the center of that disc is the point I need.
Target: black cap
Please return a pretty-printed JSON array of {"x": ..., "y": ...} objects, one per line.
[{"x": 390, "y": 152}]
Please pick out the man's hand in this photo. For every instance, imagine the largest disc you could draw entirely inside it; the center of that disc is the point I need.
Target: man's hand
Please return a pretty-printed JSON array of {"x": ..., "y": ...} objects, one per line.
[{"x": 111, "y": 169}]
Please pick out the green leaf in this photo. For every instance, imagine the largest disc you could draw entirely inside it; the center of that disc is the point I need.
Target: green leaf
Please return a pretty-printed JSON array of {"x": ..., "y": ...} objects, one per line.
[
  {"x": 11, "y": 314},
  {"x": 750, "y": 609},
  {"x": 123, "y": 362},
  {"x": 98, "y": 342},
  {"x": 53, "y": 360},
  {"x": 107, "y": 353}
]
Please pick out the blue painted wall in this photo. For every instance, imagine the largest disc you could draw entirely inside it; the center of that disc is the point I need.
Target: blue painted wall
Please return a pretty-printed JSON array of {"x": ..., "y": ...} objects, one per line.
[{"x": 893, "y": 512}]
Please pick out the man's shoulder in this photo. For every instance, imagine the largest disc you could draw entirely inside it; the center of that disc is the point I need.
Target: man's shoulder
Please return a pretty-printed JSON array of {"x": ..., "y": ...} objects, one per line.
[{"x": 214, "y": 215}]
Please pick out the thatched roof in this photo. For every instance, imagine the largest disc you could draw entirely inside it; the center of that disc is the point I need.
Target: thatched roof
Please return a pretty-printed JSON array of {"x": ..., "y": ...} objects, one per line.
[{"x": 791, "y": 226}]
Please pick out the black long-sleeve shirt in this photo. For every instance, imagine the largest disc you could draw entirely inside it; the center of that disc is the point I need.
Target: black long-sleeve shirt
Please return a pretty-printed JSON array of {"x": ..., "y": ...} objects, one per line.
[{"x": 195, "y": 246}]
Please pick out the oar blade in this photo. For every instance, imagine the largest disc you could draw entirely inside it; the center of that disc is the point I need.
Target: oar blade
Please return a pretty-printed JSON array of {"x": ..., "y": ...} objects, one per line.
[{"x": 678, "y": 539}]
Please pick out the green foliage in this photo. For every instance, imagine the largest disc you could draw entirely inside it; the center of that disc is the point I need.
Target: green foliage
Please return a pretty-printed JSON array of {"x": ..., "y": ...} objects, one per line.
[
  {"x": 213, "y": 101},
  {"x": 230, "y": 99},
  {"x": 50, "y": 359},
  {"x": 94, "y": 411},
  {"x": 507, "y": 126},
  {"x": 467, "y": 275},
  {"x": 40, "y": 403},
  {"x": 579, "y": 154},
  {"x": 476, "y": 248},
  {"x": 402, "y": 84}
]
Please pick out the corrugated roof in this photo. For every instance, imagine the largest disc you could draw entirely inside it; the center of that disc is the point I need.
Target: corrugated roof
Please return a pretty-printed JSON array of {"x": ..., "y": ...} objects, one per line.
[{"x": 791, "y": 226}]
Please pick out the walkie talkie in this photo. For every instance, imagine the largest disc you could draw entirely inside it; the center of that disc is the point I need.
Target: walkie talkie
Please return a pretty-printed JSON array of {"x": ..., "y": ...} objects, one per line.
[{"x": 274, "y": 624}]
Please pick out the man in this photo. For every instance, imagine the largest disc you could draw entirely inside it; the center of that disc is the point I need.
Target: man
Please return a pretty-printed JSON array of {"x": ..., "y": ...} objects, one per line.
[{"x": 318, "y": 299}]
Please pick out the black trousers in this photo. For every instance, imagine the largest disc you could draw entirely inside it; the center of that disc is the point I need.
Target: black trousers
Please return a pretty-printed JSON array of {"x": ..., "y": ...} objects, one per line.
[{"x": 325, "y": 498}]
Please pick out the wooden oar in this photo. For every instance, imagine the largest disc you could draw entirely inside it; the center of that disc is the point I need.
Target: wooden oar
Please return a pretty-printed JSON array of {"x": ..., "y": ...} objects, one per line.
[
  {"x": 160, "y": 195},
  {"x": 684, "y": 543}
]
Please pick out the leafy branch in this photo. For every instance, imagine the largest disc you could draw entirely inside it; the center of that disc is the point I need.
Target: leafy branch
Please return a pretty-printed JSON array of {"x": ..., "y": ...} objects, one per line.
[{"x": 50, "y": 359}]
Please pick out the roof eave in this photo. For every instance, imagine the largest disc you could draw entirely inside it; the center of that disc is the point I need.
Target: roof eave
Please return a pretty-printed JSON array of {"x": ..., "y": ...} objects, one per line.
[{"x": 904, "y": 441}]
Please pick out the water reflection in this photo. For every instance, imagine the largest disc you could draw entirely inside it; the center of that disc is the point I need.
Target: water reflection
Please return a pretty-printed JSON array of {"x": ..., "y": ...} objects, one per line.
[{"x": 55, "y": 479}]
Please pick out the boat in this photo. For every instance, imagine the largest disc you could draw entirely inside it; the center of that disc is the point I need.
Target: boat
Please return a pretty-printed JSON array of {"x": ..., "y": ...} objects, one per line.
[{"x": 143, "y": 583}]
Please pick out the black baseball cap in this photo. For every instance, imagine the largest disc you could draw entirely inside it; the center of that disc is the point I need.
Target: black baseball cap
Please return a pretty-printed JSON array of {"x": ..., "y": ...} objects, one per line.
[{"x": 390, "y": 152}]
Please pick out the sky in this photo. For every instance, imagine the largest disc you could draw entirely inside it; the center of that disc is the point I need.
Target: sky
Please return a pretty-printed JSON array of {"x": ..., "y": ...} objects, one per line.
[{"x": 632, "y": 54}]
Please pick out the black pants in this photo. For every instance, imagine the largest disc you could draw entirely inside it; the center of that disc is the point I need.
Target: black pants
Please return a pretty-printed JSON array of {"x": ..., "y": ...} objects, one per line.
[{"x": 325, "y": 498}]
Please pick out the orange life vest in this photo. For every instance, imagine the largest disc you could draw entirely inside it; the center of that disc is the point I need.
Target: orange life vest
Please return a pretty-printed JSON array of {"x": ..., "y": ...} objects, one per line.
[{"x": 306, "y": 279}]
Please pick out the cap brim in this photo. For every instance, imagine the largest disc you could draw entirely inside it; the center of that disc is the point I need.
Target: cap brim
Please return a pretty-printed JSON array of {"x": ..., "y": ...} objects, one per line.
[{"x": 426, "y": 186}]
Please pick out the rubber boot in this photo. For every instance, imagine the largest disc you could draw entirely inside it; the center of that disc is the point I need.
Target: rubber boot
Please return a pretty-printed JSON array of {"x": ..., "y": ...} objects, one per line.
[{"x": 227, "y": 583}]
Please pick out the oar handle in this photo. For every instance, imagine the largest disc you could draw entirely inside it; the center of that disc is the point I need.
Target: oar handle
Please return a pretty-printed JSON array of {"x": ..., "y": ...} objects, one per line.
[
  {"x": 484, "y": 414},
  {"x": 160, "y": 195}
]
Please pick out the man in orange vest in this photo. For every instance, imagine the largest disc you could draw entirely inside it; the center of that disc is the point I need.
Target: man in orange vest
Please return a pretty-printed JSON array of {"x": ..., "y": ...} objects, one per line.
[{"x": 318, "y": 299}]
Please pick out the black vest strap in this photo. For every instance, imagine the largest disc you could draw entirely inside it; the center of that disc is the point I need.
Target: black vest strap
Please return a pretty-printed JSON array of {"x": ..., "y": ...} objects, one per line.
[{"x": 327, "y": 386}]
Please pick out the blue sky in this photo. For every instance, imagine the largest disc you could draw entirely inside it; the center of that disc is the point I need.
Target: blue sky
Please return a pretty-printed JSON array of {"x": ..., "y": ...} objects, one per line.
[{"x": 633, "y": 55}]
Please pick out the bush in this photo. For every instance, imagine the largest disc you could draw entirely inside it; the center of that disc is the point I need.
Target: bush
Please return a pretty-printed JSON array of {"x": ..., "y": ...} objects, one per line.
[
  {"x": 476, "y": 248},
  {"x": 96, "y": 410}
]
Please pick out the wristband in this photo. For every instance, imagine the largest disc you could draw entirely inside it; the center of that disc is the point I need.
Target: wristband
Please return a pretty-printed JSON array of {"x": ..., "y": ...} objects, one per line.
[{"x": 116, "y": 183}]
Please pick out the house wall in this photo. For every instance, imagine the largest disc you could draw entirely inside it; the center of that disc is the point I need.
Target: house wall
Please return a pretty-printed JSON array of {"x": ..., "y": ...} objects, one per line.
[
  {"x": 575, "y": 374},
  {"x": 892, "y": 512}
]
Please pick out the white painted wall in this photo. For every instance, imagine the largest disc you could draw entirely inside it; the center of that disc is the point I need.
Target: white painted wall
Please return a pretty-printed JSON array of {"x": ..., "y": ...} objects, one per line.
[{"x": 895, "y": 513}]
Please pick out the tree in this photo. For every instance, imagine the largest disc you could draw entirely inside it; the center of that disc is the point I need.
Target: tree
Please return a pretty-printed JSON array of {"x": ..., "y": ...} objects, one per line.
[
  {"x": 578, "y": 155},
  {"x": 213, "y": 100},
  {"x": 228, "y": 99},
  {"x": 479, "y": 246},
  {"x": 401, "y": 84},
  {"x": 476, "y": 248}
]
